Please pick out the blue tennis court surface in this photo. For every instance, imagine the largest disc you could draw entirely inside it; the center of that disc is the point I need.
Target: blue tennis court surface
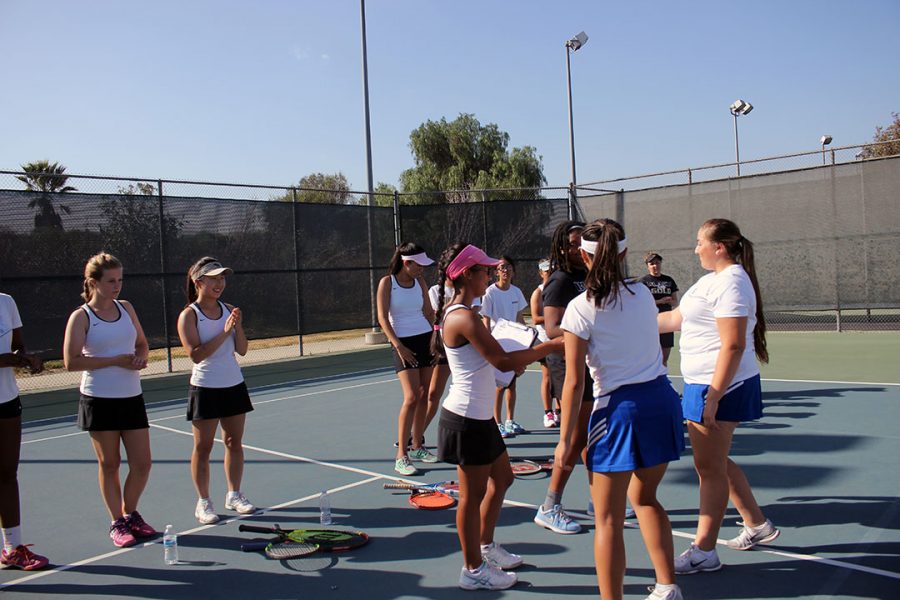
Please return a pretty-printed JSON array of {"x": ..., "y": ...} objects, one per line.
[{"x": 822, "y": 463}]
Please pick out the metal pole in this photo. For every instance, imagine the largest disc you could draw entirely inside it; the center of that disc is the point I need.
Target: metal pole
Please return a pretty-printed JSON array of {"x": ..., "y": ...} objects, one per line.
[
  {"x": 737, "y": 149},
  {"x": 571, "y": 124},
  {"x": 162, "y": 266},
  {"x": 298, "y": 280},
  {"x": 398, "y": 227}
]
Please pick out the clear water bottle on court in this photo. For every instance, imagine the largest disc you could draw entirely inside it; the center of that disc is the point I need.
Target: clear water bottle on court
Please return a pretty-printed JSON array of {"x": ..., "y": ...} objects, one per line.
[
  {"x": 324, "y": 508},
  {"x": 170, "y": 546}
]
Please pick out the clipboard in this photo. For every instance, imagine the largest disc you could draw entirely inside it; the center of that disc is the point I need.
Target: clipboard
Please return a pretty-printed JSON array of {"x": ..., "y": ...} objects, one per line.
[{"x": 511, "y": 336}]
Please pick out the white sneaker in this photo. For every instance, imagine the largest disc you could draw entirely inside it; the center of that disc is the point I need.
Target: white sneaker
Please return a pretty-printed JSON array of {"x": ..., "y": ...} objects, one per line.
[
  {"x": 236, "y": 501},
  {"x": 748, "y": 537},
  {"x": 557, "y": 520},
  {"x": 205, "y": 512},
  {"x": 486, "y": 577},
  {"x": 548, "y": 420},
  {"x": 500, "y": 557},
  {"x": 657, "y": 594},
  {"x": 694, "y": 560}
]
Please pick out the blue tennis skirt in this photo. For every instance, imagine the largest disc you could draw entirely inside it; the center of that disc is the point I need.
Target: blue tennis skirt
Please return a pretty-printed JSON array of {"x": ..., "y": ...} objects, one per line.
[
  {"x": 635, "y": 427},
  {"x": 742, "y": 401}
]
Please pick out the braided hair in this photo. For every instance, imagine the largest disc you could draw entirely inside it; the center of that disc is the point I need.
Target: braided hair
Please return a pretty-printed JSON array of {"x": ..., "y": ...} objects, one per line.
[
  {"x": 559, "y": 246},
  {"x": 740, "y": 250},
  {"x": 607, "y": 268},
  {"x": 447, "y": 256}
]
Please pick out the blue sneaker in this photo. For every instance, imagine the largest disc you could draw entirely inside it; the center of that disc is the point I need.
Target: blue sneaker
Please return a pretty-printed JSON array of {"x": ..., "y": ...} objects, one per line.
[
  {"x": 514, "y": 427},
  {"x": 504, "y": 432},
  {"x": 556, "y": 520}
]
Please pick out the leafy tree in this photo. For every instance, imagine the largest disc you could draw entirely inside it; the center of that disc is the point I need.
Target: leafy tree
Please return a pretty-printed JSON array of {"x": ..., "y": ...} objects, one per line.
[
  {"x": 321, "y": 188},
  {"x": 46, "y": 179},
  {"x": 463, "y": 155},
  {"x": 891, "y": 134}
]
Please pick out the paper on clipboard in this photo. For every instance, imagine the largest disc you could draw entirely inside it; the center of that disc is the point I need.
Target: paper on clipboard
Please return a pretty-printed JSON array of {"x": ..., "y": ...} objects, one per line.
[{"x": 511, "y": 336}]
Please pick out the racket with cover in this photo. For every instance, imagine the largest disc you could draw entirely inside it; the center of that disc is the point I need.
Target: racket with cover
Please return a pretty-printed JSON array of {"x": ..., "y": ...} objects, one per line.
[
  {"x": 323, "y": 540},
  {"x": 524, "y": 467}
]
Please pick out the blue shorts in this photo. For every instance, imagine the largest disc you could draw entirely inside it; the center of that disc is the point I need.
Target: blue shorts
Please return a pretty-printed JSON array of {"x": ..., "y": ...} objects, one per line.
[
  {"x": 635, "y": 427},
  {"x": 742, "y": 401}
]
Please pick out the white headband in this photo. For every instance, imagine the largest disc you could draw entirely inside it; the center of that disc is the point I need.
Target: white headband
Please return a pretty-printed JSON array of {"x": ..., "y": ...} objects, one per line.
[{"x": 591, "y": 247}]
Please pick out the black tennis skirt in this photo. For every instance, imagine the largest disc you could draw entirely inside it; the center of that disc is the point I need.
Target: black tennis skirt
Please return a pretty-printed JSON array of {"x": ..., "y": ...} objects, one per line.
[
  {"x": 420, "y": 345},
  {"x": 468, "y": 442},
  {"x": 218, "y": 403},
  {"x": 11, "y": 409},
  {"x": 112, "y": 414}
]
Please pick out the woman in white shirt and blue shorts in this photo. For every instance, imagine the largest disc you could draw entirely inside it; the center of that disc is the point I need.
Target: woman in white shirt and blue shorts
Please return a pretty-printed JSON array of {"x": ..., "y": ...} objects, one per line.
[
  {"x": 723, "y": 335},
  {"x": 635, "y": 426}
]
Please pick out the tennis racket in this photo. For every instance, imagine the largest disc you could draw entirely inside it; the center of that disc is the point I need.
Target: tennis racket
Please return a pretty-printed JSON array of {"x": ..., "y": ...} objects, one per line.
[
  {"x": 287, "y": 542},
  {"x": 524, "y": 467},
  {"x": 451, "y": 488},
  {"x": 435, "y": 496}
]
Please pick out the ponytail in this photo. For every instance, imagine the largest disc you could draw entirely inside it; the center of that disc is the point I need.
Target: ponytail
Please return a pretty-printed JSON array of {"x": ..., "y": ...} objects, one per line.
[
  {"x": 607, "y": 272},
  {"x": 447, "y": 256},
  {"x": 740, "y": 250},
  {"x": 404, "y": 249},
  {"x": 190, "y": 288},
  {"x": 94, "y": 269}
]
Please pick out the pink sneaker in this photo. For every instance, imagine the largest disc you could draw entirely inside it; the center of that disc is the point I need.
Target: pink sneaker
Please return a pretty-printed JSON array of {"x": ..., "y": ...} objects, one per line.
[
  {"x": 120, "y": 533},
  {"x": 138, "y": 526},
  {"x": 23, "y": 558}
]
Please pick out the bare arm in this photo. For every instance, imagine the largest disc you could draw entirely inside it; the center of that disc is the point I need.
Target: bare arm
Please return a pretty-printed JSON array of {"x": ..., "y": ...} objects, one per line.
[
  {"x": 427, "y": 309},
  {"x": 383, "y": 305},
  {"x": 190, "y": 336},
  {"x": 235, "y": 323},
  {"x": 19, "y": 357},
  {"x": 467, "y": 326},
  {"x": 669, "y": 321},
  {"x": 732, "y": 333},
  {"x": 573, "y": 388},
  {"x": 73, "y": 345},
  {"x": 537, "y": 307},
  {"x": 552, "y": 318},
  {"x": 141, "y": 346}
]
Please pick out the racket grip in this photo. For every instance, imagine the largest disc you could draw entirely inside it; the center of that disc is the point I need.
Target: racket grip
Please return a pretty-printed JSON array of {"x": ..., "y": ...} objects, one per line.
[
  {"x": 256, "y": 529},
  {"x": 398, "y": 486},
  {"x": 254, "y": 546}
]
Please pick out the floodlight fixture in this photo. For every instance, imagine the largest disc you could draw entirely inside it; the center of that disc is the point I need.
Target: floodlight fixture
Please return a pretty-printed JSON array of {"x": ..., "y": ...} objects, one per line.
[
  {"x": 572, "y": 45},
  {"x": 826, "y": 139},
  {"x": 577, "y": 42},
  {"x": 738, "y": 107}
]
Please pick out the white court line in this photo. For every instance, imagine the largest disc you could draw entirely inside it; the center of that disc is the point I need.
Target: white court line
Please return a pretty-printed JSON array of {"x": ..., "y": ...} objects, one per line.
[
  {"x": 292, "y": 397},
  {"x": 93, "y": 559}
]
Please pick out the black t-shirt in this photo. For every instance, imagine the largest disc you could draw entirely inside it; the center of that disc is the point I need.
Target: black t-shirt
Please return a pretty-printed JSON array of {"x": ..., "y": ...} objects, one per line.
[
  {"x": 561, "y": 288},
  {"x": 660, "y": 287}
]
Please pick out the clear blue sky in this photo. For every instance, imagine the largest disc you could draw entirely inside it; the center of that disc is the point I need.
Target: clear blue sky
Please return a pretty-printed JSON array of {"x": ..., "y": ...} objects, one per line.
[{"x": 268, "y": 91}]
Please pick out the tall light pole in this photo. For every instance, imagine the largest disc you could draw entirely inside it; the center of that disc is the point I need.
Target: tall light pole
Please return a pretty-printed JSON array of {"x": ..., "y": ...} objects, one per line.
[
  {"x": 573, "y": 45},
  {"x": 738, "y": 107},
  {"x": 826, "y": 139}
]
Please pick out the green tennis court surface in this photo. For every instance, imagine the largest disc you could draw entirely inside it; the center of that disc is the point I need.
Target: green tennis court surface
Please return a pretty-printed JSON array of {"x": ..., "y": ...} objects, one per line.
[{"x": 822, "y": 463}]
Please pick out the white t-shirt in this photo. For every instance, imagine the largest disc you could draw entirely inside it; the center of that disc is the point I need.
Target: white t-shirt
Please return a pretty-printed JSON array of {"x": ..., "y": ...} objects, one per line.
[
  {"x": 9, "y": 320},
  {"x": 728, "y": 293},
  {"x": 623, "y": 338},
  {"x": 433, "y": 292},
  {"x": 502, "y": 304}
]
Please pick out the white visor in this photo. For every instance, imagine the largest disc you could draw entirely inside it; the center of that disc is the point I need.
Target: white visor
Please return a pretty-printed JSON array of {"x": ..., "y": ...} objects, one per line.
[
  {"x": 591, "y": 247},
  {"x": 420, "y": 259}
]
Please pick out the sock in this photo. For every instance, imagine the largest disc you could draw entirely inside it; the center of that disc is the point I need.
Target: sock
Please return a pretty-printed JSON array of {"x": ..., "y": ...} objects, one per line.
[
  {"x": 233, "y": 493},
  {"x": 487, "y": 547},
  {"x": 665, "y": 587},
  {"x": 759, "y": 528},
  {"x": 552, "y": 499},
  {"x": 12, "y": 537},
  {"x": 477, "y": 569}
]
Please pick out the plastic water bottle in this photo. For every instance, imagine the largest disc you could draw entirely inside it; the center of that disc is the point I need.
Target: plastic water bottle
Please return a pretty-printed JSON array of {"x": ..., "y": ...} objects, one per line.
[
  {"x": 170, "y": 546},
  {"x": 324, "y": 508}
]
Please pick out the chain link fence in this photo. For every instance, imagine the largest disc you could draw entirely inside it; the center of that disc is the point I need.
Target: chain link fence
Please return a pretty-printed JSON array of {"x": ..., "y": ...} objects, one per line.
[{"x": 827, "y": 238}]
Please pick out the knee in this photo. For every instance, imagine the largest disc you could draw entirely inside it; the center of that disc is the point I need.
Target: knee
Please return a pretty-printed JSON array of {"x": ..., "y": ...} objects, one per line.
[
  {"x": 232, "y": 443},
  {"x": 203, "y": 449},
  {"x": 110, "y": 465},
  {"x": 140, "y": 468}
]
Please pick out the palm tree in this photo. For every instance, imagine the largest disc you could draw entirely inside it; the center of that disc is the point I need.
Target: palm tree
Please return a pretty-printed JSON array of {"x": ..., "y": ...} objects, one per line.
[{"x": 46, "y": 179}]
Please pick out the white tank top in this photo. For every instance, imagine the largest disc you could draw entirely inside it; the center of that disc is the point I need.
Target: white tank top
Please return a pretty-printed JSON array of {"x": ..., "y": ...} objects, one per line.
[
  {"x": 220, "y": 369},
  {"x": 105, "y": 339},
  {"x": 405, "y": 313},
  {"x": 473, "y": 386}
]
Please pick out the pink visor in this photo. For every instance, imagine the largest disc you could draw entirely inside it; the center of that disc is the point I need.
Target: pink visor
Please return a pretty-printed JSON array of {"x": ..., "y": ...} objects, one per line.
[{"x": 469, "y": 257}]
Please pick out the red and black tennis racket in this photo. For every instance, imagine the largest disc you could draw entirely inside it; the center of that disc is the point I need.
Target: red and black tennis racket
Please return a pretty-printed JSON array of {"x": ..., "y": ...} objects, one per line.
[{"x": 432, "y": 496}]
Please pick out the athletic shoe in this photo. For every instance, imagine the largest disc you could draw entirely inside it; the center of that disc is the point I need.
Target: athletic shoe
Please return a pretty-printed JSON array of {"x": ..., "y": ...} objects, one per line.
[
  {"x": 549, "y": 421},
  {"x": 694, "y": 560},
  {"x": 423, "y": 454},
  {"x": 750, "y": 537},
  {"x": 23, "y": 558},
  {"x": 138, "y": 526},
  {"x": 120, "y": 533},
  {"x": 499, "y": 556},
  {"x": 205, "y": 512},
  {"x": 514, "y": 427},
  {"x": 673, "y": 594},
  {"x": 629, "y": 512},
  {"x": 486, "y": 577},
  {"x": 556, "y": 417},
  {"x": 404, "y": 467},
  {"x": 556, "y": 520},
  {"x": 504, "y": 432},
  {"x": 238, "y": 502},
  {"x": 409, "y": 442}
]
